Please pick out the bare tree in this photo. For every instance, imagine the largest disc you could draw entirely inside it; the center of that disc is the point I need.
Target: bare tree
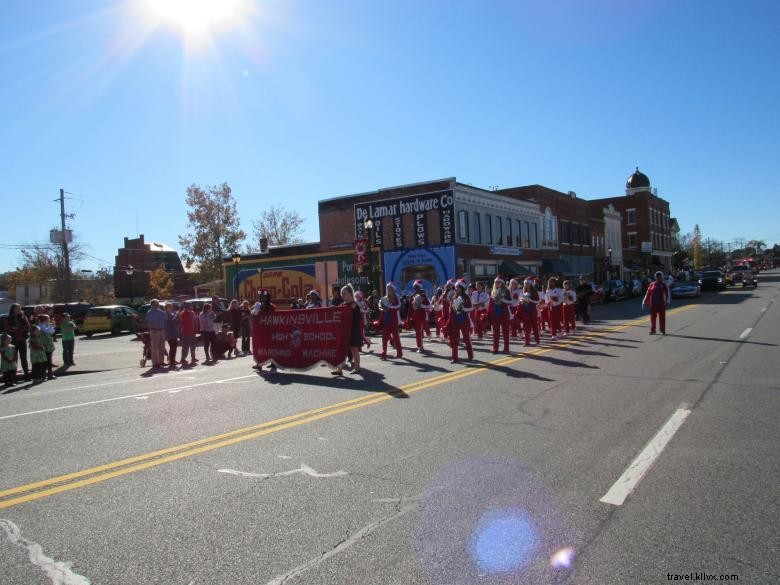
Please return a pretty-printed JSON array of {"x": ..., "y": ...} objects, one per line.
[{"x": 279, "y": 226}]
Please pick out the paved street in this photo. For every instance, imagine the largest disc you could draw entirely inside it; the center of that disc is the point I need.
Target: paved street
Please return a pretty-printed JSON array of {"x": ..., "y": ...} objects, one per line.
[{"x": 420, "y": 472}]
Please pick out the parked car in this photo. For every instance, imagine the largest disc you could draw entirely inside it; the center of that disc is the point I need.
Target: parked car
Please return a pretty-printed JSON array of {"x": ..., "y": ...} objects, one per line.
[
  {"x": 749, "y": 278},
  {"x": 712, "y": 280},
  {"x": 109, "y": 319},
  {"x": 635, "y": 288},
  {"x": 685, "y": 289},
  {"x": 77, "y": 312},
  {"x": 197, "y": 304},
  {"x": 598, "y": 294},
  {"x": 615, "y": 290}
]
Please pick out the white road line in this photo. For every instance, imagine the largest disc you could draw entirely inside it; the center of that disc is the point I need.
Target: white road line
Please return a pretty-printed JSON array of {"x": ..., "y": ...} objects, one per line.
[
  {"x": 303, "y": 469},
  {"x": 58, "y": 572},
  {"x": 745, "y": 333},
  {"x": 764, "y": 309},
  {"x": 631, "y": 477},
  {"x": 93, "y": 402},
  {"x": 60, "y": 390}
]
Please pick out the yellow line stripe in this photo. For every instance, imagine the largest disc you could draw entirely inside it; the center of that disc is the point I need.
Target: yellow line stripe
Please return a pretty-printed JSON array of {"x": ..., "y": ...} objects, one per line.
[{"x": 140, "y": 462}]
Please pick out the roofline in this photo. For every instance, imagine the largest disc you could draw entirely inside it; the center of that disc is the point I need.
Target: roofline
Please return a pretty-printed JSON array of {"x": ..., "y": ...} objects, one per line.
[{"x": 379, "y": 191}]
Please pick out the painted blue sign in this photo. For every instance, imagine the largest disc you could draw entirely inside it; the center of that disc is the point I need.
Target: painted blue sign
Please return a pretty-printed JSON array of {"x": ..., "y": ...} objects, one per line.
[{"x": 433, "y": 265}]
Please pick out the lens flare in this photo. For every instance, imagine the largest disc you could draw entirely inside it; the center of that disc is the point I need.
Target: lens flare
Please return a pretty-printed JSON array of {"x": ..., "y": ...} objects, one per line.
[
  {"x": 505, "y": 540},
  {"x": 196, "y": 16},
  {"x": 562, "y": 559}
]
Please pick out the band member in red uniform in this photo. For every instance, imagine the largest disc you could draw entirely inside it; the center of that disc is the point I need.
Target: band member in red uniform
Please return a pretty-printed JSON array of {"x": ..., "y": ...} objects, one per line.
[
  {"x": 545, "y": 314},
  {"x": 479, "y": 301},
  {"x": 438, "y": 308},
  {"x": 460, "y": 307},
  {"x": 529, "y": 301},
  {"x": 390, "y": 305},
  {"x": 657, "y": 297},
  {"x": 555, "y": 301},
  {"x": 500, "y": 302},
  {"x": 515, "y": 322},
  {"x": 419, "y": 310},
  {"x": 569, "y": 300},
  {"x": 449, "y": 294}
]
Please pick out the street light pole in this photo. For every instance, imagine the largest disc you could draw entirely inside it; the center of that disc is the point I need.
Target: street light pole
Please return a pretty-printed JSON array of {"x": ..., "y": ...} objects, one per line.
[
  {"x": 236, "y": 262},
  {"x": 369, "y": 225},
  {"x": 129, "y": 272},
  {"x": 609, "y": 256}
]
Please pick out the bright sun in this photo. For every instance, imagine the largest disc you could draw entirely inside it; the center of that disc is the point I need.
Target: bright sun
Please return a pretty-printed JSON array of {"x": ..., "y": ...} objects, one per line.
[{"x": 197, "y": 16}]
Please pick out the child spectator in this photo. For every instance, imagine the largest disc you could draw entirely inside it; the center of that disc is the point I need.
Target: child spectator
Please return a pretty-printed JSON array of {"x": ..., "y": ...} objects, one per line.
[
  {"x": 37, "y": 354},
  {"x": 8, "y": 357},
  {"x": 68, "y": 330},
  {"x": 47, "y": 340}
]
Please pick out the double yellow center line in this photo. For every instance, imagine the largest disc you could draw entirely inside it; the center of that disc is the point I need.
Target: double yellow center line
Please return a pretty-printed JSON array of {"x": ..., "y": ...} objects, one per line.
[{"x": 71, "y": 481}]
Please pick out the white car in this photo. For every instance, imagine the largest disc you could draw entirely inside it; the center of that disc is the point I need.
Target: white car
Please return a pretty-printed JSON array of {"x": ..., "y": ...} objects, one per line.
[{"x": 685, "y": 289}]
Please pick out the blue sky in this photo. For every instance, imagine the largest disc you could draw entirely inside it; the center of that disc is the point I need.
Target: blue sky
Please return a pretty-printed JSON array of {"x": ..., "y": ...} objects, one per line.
[{"x": 295, "y": 101}]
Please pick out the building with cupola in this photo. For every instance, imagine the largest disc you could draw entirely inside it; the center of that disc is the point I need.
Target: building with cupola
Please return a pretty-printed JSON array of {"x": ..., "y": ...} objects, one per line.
[{"x": 646, "y": 227}]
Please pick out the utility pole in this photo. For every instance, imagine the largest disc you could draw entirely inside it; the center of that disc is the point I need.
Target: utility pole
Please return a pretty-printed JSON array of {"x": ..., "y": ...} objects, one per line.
[{"x": 65, "y": 251}]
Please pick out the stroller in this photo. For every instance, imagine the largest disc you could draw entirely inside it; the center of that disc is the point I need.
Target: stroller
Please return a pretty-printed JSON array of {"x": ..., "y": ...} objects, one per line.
[{"x": 146, "y": 352}]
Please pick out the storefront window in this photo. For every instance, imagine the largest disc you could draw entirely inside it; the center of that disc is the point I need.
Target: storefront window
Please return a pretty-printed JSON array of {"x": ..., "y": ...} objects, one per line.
[
  {"x": 477, "y": 229},
  {"x": 489, "y": 229},
  {"x": 463, "y": 225},
  {"x": 534, "y": 235},
  {"x": 499, "y": 231},
  {"x": 520, "y": 240}
]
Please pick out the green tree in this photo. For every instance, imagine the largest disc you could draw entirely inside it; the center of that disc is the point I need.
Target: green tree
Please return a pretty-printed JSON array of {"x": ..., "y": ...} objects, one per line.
[
  {"x": 160, "y": 284},
  {"x": 279, "y": 226},
  {"x": 213, "y": 229}
]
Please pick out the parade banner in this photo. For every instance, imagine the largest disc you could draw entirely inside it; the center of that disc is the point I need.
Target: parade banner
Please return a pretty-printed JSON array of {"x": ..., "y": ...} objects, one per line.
[{"x": 300, "y": 339}]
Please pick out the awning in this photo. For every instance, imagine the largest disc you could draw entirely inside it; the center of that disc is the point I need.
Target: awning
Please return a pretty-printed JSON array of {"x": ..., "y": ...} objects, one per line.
[
  {"x": 556, "y": 267},
  {"x": 510, "y": 269}
]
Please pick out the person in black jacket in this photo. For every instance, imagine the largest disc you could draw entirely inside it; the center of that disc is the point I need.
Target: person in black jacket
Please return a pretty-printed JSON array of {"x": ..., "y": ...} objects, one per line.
[
  {"x": 584, "y": 291},
  {"x": 18, "y": 327}
]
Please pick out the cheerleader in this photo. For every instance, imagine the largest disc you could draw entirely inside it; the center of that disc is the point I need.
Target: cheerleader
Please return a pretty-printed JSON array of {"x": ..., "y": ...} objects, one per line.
[
  {"x": 555, "y": 301},
  {"x": 480, "y": 300},
  {"x": 390, "y": 305},
  {"x": 449, "y": 294},
  {"x": 529, "y": 301},
  {"x": 569, "y": 300},
  {"x": 514, "y": 318},
  {"x": 419, "y": 313},
  {"x": 460, "y": 307},
  {"x": 438, "y": 296},
  {"x": 498, "y": 309},
  {"x": 364, "y": 310}
]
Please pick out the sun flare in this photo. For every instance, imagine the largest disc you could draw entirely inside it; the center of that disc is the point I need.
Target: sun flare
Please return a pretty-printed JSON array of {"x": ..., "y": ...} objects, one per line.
[{"x": 197, "y": 16}]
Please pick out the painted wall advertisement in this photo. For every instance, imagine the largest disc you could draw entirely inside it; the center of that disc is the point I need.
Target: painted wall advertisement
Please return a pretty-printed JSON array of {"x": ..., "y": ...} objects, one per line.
[
  {"x": 434, "y": 266},
  {"x": 419, "y": 206},
  {"x": 283, "y": 282}
]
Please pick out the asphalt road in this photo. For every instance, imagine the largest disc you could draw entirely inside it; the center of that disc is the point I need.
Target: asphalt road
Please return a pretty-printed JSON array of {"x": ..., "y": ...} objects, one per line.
[{"x": 609, "y": 457}]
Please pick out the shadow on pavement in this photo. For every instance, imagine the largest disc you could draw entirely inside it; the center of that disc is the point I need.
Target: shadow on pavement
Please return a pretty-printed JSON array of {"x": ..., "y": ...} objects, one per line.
[
  {"x": 745, "y": 341},
  {"x": 558, "y": 361},
  {"x": 572, "y": 349},
  {"x": 513, "y": 373},
  {"x": 366, "y": 381}
]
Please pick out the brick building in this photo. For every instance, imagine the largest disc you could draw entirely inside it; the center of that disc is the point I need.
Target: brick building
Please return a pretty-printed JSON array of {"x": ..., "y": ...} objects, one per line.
[
  {"x": 647, "y": 240},
  {"x": 138, "y": 259},
  {"x": 566, "y": 229}
]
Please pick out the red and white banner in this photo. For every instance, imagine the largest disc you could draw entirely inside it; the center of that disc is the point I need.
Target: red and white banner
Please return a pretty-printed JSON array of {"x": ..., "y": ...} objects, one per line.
[
  {"x": 361, "y": 254},
  {"x": 299, "y": 339}
]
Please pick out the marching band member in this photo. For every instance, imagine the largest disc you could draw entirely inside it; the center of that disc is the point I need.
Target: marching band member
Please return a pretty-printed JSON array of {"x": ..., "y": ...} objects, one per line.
[
  {"x": 514, "y": 318},
  {"x": 459, "y": 321},
  {"x": 529, "y": 301},
  {"x": 364, "y": 310},
  {"x": 500, "y": 301},
  {"x": 438, "y": 307},
  {"x": 569, "y": 300},
  {"x": 555, "y": 301},
  {"x": 419, "y": 309},
  {"x": 545, "y": 320},
  {"x": 390, "y": 305},
  {"x": 449, "y": 294},
  {"x": 657, "y": 297},
  {"x": 480, "y": 300}
]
